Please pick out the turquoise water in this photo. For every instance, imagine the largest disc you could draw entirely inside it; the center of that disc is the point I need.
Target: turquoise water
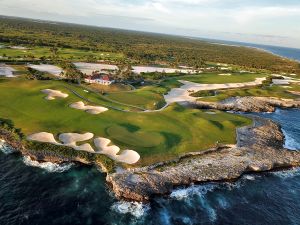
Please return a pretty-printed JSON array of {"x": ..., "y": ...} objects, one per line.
[{"x": 72, "y": 194}]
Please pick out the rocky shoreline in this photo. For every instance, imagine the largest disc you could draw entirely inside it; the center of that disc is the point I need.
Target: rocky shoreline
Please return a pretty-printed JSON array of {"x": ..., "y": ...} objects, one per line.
[
  {"x": 259, "y": 148},
  {"x": 247, "y": 104},
  {"x": 262, "y": 152}
]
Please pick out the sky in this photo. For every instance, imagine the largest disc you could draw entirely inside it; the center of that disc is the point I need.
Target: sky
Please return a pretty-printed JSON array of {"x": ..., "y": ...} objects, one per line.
[{"x": 273, "y": 22}]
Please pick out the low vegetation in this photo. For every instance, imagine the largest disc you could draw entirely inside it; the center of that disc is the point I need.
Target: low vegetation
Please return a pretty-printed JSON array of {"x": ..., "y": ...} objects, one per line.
[{"x": 78, "y": 42}]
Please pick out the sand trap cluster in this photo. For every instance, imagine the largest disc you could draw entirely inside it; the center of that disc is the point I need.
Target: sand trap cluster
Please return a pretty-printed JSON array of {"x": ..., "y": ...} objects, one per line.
[
  {"x": 89, "y": 68},
  {"x": 126, "y": 156},
  {"x": 6, "y": 71},
  {"x": 182, "y": 94},
  {"x": 102, "y": 145},
  {"x": 285, "y": 81},
  {"x": 151, "y": 69},
  {"x": 88, "y": 108},
  {"x": 52, "y": 94},
  {"x": 55, "y": 70}
]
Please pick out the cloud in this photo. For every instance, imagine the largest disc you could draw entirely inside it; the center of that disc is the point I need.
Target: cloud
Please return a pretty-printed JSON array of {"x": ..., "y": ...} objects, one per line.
[{"x": 247, "y": 15}]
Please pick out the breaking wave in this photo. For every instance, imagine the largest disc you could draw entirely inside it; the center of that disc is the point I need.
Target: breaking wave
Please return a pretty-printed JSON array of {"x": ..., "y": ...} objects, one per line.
[
  {"x": 136, "y": 209},
  {"x": 290, "y": 142},
  {"x": 5, "y": 148},
  {"x": 48, "y": 166}
]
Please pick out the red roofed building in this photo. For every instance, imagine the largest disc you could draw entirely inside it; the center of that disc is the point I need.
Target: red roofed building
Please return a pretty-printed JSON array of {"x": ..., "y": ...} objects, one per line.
[{"x": 99, "y": 79}]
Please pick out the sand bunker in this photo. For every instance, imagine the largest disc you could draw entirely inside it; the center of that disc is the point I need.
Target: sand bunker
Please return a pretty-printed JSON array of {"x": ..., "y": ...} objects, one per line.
[
  {"x": 70, "y": 140},
  {"x": 225, "y": 74},
  {"x": 150, "y": 69},
  {"x": 285, "y": 81},
  {"x": 89, "y": 68},
  {"x": 88, "y": 108},
  {"x": 52, "y": 94},
  {"x": 55, "y": 70},
  {"x": 102, "y": 145},
  {"x": 6, "y": 71},
  {"x": 126, "y": 156},
  {"x": 43, "y": 137},
  {"x": 182, "y": 94}
]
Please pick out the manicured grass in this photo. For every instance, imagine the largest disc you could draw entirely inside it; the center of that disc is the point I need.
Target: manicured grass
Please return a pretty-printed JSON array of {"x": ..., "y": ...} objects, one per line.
[
  {"x": 65, "y": 53},
  {"x": 272, "y": 91},
  {"x": 108, "y": 88},
  {"x": 213, "y": 78},
  {"x": 155, "y": 136},
  {"x": 147, "y": 97}
]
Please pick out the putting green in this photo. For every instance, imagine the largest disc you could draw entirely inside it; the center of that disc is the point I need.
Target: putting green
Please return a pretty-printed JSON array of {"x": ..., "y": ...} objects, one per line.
[
  {"x": 138, "y": 138},
  {"x": 156, "y": 136}
]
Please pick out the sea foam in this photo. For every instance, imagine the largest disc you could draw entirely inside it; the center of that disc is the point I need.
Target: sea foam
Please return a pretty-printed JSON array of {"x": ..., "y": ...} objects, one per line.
[
  {"x": 290, "y": 142},
  {"x": 5, "y": 148},
  {"x": 184, "y": 193},
  {"x": 136, "y": 209},
  {"x": 48, "y": 166}
]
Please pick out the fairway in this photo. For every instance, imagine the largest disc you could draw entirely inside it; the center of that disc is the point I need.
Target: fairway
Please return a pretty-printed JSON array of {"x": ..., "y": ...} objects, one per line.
[
  {"x": 213, "y": 78},
  {"x": 271, "y": 91},
  {"x": 156, "y": 136},
  {"x": 147, "y": 97}
]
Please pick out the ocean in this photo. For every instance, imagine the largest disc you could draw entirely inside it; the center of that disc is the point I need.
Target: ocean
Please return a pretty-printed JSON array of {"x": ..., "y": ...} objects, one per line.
[
  {"x": 292, "y": 53},
  {"x": 45, "y": 193}
]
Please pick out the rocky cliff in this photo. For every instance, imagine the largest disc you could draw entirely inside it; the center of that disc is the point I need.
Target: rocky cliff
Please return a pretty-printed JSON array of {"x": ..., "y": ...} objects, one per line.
[
  {"x": 248, "y": 104},
  {"x": 258, "y": 148}
]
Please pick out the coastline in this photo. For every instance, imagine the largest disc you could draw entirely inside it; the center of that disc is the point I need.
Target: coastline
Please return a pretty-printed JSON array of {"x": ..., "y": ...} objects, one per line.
[
  {"x": 263, "y": 152},
  {"x": 220, "y": 42}
]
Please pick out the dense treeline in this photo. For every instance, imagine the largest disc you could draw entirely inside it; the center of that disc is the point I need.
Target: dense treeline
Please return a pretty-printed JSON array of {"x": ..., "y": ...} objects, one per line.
[{"x": 139, "y": 47}]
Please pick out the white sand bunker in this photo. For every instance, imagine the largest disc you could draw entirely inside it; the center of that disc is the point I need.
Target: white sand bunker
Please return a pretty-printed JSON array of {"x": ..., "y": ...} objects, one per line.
[
  {"x": 285, "y": 81},
  {"x": 102, "y": 145},
  {"x": 52, "y": 94},
  {"x": 89, "y": 68},
  {"x": 88, "y": 108},
  {"x": 182, "y": 94},
  {"x": 225, "y": 74},
  {"x": 151, "y": 69},
  {"x": 43, "y": 137},
  {"x": 70, "y": 139},
  {"x": 6, "y": 71},
  {"x": 126, "y": 156},
  {"x": 55, "y": 70}
]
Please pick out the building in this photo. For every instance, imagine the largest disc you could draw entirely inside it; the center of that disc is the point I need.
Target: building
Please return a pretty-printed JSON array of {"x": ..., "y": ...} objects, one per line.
[{"x": 99, "y": 79}]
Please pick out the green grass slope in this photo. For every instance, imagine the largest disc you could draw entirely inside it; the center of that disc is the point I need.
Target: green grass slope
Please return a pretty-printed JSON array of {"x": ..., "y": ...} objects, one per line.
[{"x": 155, "y": 136}]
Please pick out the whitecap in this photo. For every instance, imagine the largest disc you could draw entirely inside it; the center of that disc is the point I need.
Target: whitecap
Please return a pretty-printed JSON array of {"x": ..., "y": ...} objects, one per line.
[
  {"x": 5, "y": 148},
  {"x": 223, "y": 203},
  {"x": 211, "y": 212},
  {"x": 165, "y": 217},
  {"x": 48, "y": 166},
  {"x": 136, "y": 209},
  {"x": 290, "y": 142},
  {"x": 184, "y": 193},
  {"x": 287, "y": 173},
  {"x": 249, "y": 177}
]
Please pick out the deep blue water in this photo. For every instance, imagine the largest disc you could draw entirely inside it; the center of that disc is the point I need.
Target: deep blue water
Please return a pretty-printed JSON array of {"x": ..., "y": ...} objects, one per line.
[{"x": 79, "y": 195}]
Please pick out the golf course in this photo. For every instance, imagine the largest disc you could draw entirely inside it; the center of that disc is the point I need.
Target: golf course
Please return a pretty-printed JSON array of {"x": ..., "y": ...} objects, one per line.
[{"x": 156, "y": 136}]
